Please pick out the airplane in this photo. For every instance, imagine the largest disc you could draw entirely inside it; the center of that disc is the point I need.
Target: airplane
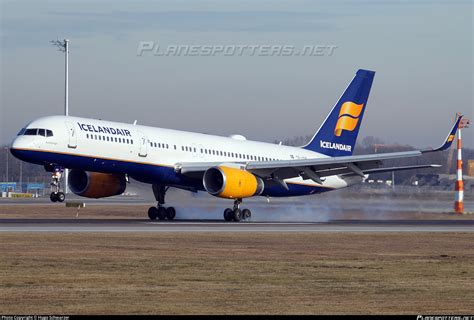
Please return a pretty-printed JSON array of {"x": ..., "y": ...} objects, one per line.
[{"x": 104, "y": 155}]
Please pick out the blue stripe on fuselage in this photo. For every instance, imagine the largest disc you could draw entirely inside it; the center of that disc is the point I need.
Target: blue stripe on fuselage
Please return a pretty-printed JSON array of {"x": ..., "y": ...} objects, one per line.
[{"x": 144, "y": 172}]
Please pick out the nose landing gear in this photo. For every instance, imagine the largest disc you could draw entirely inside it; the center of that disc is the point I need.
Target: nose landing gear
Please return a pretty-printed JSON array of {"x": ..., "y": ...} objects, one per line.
[
  {"x": 56, "y": 194},
  {"x": 160, "y": 211},
  {"x": 235, "y": 214}
]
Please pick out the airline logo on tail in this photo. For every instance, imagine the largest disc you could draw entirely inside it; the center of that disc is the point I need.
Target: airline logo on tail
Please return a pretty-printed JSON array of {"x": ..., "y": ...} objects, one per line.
[
  {"x": 348, "y": 117},
  {"x": 451, "y": 138}
]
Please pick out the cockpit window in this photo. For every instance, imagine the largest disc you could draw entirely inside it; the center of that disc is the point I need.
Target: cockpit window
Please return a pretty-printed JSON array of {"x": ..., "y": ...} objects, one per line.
[
  {"x": 31, "y": 132},
  {"x": 36, "y": 132}
]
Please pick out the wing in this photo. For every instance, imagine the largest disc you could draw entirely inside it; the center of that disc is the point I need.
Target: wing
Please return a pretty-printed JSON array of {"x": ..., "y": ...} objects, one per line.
[{"x": 318, "y": 168}]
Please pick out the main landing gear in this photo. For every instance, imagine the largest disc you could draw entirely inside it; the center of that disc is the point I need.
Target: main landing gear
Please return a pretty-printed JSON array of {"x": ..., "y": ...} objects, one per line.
[
  {"x": 56, "y": 194},
  {"x": 235, "y": 214},
  {"x": 160, "y": 211}
]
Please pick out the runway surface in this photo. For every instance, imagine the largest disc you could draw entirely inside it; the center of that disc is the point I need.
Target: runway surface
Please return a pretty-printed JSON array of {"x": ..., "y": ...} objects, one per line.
[{"x": 142, "y": 225}]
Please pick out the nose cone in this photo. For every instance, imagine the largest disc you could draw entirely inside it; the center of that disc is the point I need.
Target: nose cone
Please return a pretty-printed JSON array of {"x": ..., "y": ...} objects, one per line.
[
  {"x": 14, "y": 149},
  {"x": 17, "y": 148},
  {"x": 15, "y": 153}
]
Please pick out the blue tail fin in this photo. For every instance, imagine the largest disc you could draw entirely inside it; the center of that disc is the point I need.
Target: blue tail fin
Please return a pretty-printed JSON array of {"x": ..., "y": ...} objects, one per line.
[{"x": 338, "y": 134}]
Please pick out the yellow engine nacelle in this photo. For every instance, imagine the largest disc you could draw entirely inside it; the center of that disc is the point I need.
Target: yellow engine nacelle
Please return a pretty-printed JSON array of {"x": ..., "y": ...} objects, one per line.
[
  {"x": 96, "y": 185},
  {"x": 232, "y": 183}
]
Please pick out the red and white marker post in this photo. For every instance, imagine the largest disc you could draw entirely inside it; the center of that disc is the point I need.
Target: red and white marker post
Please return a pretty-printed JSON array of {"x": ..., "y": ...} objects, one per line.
[{"x": 459, "y": 186}]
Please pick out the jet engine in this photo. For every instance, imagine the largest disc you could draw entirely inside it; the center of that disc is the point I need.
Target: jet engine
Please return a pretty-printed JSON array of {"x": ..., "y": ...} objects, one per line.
[
  {"x": 96, "y": 185},
  {"x": 232, "y": 183}
]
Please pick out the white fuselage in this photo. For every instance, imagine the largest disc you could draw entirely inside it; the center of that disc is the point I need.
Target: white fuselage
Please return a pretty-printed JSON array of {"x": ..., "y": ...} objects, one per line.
[{"x": 148, "y": 153}]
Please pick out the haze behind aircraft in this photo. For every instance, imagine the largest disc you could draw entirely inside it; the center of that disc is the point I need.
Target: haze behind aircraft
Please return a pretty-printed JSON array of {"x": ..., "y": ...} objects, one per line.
[{"x": 103, "y": 155}]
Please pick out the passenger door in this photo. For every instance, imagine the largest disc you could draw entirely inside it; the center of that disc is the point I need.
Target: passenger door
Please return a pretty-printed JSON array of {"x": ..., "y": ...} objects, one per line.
[
  {"x": 143, "y": 152},
  {"x": 72, "y": 143}
]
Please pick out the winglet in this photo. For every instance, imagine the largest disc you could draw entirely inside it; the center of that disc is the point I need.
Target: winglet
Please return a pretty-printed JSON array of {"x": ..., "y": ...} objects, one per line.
[{"x": 449, "y": 139}]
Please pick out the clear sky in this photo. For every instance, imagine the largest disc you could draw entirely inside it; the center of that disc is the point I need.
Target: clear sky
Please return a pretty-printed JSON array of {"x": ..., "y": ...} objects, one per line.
[{"x": 421, "y": 50}]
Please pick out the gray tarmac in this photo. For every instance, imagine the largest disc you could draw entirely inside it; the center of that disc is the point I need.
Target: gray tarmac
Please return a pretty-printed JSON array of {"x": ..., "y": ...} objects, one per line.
[{"x": 142, "y": 225}]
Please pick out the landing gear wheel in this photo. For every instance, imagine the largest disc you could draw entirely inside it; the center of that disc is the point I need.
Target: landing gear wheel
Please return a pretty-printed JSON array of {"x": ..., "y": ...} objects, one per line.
[
  {"x": 152, "y": 213},
  {"x": 228, "y": 214},
  {"x": 237, "y": 215},
  {"x": 60, "y": 197},
  {"x": 161, "y": 213},
  {"x": 246, "y": 214},
  {"x": 170, "y": 213},
  {"x": 56, "y": 194},
  {"x": 53, "y": 197}
]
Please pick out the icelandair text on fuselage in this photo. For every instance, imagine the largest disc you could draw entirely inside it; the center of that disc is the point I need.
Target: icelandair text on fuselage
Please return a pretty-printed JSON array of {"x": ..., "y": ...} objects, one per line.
[
  {"x": 101, "y": 129},
  {"x": 336, "y": 146}
]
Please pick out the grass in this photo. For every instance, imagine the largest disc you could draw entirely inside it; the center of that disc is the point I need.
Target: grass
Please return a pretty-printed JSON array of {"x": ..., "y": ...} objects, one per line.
[{"x": 224, "y": 273}]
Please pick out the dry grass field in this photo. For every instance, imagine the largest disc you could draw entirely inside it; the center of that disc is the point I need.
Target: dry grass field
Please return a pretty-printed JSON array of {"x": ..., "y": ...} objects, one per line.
[{"x": 223, "y": 273}]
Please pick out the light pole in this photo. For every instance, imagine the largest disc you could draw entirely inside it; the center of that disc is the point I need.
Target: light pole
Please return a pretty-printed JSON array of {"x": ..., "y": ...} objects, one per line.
[
  {"x": 6, "y": 162},
  {"x": 21, "y": 176},
  {"x": 63, "y": 46}
]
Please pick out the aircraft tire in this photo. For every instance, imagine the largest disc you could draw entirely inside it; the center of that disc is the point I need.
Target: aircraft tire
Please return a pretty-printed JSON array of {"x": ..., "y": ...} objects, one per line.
[
  {"x": 161, "y": 213},
  {"x": 246, "y": 214},
  {"x": 60, "y": 196},
  {"x": 152, "y": 213},
  {"x": 53, "y": 197},
  {"x": 228, "y": 215},
  {"x": 170, "y": 213},
  {"x": 237, "y": 215}
]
